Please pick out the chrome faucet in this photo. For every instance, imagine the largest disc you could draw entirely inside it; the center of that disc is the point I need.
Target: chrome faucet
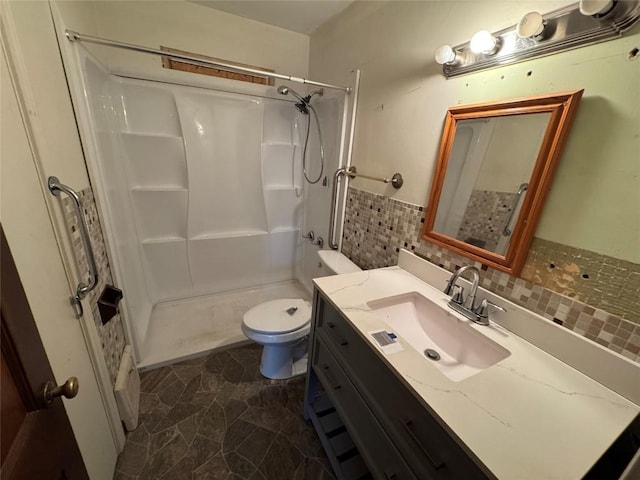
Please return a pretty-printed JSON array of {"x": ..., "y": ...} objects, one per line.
[
  {"x": 467, "y": 307},
  {"x": 318, "y": 241},
  {"x": 469, "y": 303}
]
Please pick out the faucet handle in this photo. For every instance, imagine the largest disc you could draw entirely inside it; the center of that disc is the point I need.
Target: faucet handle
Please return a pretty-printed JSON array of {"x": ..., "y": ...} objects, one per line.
[
  {"x": 449, "y": 288},
  {"x": 483, "y": 310},
  {"x": 319, "y": 241},
  {"x": 458, "y": 294}
]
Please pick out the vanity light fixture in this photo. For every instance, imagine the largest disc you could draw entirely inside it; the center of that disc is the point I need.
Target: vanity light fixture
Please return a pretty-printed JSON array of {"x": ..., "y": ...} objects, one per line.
[
  {"x": 484, "y": 43},
  {"x": 583, "y": 23},
  {"x": 445, "y": 55}
]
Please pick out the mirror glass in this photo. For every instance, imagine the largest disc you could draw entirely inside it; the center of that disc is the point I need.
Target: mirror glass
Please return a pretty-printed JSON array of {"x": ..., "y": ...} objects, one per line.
[
  {"x": 494, "y": 169},
  {"x": 487, "y": 178}
]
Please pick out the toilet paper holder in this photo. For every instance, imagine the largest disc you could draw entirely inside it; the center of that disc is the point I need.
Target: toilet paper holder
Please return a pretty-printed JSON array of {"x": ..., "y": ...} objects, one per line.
[{"x": 108, "y": 303}]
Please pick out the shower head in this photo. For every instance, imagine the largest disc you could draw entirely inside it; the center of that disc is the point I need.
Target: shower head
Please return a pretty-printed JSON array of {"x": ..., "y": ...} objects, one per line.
[
  {"x": 302, "y": 108},
  {"x": 282, "y": 90},
  {"x": 304, "y": 101}
]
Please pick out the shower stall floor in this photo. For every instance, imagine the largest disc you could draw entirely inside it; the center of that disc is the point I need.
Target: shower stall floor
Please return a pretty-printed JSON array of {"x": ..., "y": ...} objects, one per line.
[{"x": 185, "y": 328}]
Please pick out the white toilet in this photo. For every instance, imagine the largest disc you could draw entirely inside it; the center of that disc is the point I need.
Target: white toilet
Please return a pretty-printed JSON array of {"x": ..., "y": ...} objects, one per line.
[{"x": 282, "y": 326}]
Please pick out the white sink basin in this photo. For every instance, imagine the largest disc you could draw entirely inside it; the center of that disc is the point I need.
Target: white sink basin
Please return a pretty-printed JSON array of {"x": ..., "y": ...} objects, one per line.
[{"x": 463, "y": 351}]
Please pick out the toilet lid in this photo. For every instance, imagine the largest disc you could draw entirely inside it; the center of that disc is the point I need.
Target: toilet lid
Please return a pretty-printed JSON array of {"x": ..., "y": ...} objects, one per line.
[{"x": 272, "y": 317}]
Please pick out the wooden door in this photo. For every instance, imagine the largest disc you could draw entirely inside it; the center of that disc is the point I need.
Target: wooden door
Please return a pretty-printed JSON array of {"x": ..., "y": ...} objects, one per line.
[{"x": 37, "y": 441}]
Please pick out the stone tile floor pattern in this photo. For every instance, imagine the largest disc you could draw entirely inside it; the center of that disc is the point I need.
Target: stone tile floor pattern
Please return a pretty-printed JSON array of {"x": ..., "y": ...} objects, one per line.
[{"x": 216, "y": 417}]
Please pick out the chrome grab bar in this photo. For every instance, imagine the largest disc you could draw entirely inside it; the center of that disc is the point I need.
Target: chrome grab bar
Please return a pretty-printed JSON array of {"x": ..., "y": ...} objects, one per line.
[
  {"x": 396, "y": 181},
  {"x": 55, "y": 187},
  {"x": 523, "y": 188},
  {"x": 334, "y": 195}
]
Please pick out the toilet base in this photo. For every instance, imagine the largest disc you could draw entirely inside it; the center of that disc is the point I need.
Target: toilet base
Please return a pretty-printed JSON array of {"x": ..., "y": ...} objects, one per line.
[{"x": 280, "y": 362}]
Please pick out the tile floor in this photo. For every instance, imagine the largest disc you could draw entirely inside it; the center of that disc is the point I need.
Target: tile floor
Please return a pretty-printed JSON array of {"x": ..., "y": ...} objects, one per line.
[{"x": 216, "y": 417}]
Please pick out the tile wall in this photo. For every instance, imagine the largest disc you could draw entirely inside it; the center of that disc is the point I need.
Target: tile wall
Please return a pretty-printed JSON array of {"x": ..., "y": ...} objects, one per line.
[
  {"x": 376, "y": 227},
  {"x": 112, "y": 334},
  {"x": 610, "y": 283}
]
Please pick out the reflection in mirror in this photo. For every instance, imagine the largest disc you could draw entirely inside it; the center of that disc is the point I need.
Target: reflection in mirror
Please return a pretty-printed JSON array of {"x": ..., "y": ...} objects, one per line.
[
  {"x": 497, "y": 156},
  {"x": 494, "y": 169}
]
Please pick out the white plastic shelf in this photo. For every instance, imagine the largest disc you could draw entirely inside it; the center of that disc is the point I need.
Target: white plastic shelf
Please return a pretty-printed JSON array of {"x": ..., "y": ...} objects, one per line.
[
  {"x": 160, "y": 188},
  {"x": 148, "y": 241},
  {"x": 228, "y": 234},
  {"x": 149, "y": 135}
]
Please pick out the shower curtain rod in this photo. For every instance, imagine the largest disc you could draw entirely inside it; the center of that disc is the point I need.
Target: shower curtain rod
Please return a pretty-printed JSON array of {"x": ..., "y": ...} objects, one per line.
[{"x": 81, "y": 37}]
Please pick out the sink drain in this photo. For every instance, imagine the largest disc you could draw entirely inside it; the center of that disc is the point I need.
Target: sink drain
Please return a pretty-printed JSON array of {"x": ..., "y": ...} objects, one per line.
[{"x": 432, "y": 354}]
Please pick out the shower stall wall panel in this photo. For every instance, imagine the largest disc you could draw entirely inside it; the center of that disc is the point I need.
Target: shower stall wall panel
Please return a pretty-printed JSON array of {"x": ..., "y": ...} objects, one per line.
[
  {"x": 166, "y": 268},
  {"x": 278, "y": 166},
  {"x": 317, "y": 197},
  {"x": 229, "y": 263},
  {"x": 202, "y": 188},
  {"x": 103, "y": 143},
  {"x": 282, "y": 180},
  {"x": 156, "y": 168},
  {"x": 202, "y": 192},
  {"x": 148, "y": 108},
  {"x": 223, "y": 136},
  {"x": 283, "y": 245},
  {"x": 160, "y": 213},
  {"x": 155, "y": 161}
]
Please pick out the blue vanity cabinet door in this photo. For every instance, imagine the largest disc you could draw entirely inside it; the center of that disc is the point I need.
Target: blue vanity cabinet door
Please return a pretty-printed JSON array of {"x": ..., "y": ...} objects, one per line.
[{"x": 427, "y": 446}]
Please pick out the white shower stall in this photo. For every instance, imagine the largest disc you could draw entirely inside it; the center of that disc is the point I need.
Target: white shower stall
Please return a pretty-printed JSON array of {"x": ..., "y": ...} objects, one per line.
[{"x": 200, "y": 188}]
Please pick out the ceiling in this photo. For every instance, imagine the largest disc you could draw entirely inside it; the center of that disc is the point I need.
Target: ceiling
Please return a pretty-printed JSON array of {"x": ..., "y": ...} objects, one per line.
[{"x": 302, "y": 16}]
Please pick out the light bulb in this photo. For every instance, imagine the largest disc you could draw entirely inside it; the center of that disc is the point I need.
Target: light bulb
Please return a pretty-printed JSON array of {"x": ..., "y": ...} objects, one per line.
[
  {"x": 596, "y": 7},
  {"x": 445, "y": 54},
  {"x": 530, "y": 26},
  {"x": 483, "y": 42}
]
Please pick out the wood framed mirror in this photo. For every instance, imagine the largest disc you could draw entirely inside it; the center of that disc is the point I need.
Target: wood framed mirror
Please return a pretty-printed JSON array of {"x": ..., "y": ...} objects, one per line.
[{"x": 494, "y": 169}]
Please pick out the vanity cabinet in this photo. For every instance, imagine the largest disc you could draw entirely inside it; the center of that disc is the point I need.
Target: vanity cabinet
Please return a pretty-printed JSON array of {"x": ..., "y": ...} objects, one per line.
[{"x": 396, "y": 434}]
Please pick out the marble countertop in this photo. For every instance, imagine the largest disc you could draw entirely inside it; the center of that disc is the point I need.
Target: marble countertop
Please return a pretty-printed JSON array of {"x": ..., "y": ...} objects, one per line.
[{"x": 530, "y": 416}]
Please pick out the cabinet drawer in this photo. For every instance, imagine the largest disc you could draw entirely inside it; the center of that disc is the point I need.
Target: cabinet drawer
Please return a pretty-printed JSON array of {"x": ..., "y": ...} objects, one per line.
[
  {"x": 336, "y": 331},
  {"x": 426, "y": 446},
  {"x": 381, "y": 456}
]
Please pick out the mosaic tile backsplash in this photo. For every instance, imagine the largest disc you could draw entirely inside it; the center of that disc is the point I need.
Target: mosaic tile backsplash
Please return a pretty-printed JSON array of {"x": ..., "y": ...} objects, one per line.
[
  {"x": 112, "y": 334},
  {"x": 610, "y": 283},
  {"x": 376, "y": 227}
]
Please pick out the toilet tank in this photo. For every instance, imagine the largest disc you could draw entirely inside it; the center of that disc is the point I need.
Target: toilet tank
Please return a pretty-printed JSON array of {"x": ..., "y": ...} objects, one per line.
[{"x": 337, "y": 263}]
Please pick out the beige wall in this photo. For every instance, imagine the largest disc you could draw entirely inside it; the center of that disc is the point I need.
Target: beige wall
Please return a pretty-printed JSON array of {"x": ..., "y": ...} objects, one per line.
[
  {"x": 594, "y": 199},
  {"x": 185, "y": 26},
  {"x": 38, "y": 139}
]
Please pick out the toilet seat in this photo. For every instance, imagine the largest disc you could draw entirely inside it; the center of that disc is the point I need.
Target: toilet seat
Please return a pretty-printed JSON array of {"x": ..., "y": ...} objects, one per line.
[{"x": 271, "y": 318}]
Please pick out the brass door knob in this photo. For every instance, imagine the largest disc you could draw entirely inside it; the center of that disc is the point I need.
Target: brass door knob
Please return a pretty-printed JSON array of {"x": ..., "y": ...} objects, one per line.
[{"x": 68, "y": 389}]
